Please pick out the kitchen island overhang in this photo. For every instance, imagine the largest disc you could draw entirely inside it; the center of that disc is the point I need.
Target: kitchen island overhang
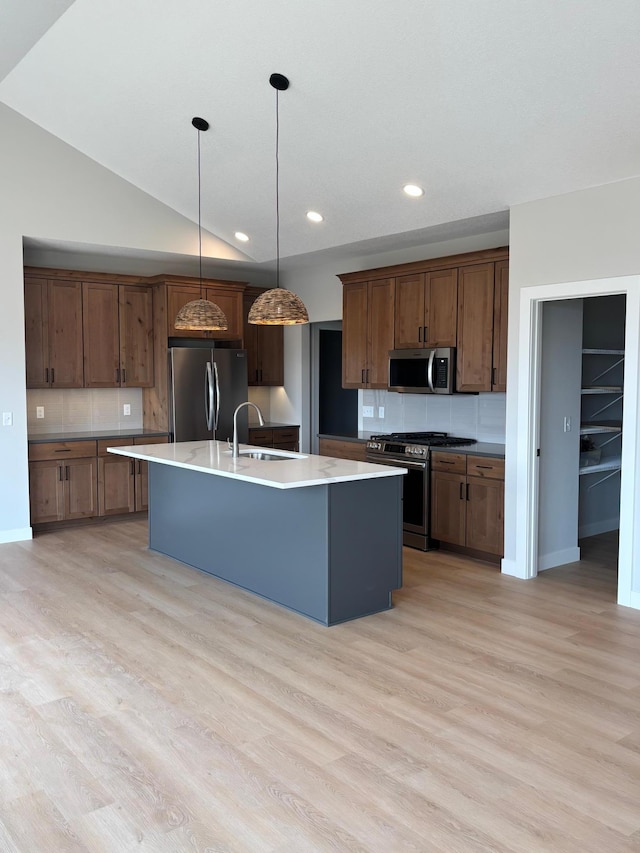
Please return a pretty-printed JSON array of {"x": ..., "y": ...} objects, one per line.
[{"x": 318, "y": 535}]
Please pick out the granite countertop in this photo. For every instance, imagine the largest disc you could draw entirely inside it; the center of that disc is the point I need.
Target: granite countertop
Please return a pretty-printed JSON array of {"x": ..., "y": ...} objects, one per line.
[
  {"x": 40, "y": 438},
  {"x": 347, "y": 436},
  {"x": 214, "y": 457},
  {"x": 481, "y": 448},
  {"x": 273, "y": 425}
]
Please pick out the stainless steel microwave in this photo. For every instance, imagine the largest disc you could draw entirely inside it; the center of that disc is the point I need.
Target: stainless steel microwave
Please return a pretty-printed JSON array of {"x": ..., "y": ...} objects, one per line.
[{"x": 422, "y": 371}]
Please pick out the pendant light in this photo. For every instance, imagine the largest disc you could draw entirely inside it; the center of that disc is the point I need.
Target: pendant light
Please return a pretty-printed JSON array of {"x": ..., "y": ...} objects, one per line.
[
  {"x": 278, "y": 307},
  {"x": 200, "y": 314}
]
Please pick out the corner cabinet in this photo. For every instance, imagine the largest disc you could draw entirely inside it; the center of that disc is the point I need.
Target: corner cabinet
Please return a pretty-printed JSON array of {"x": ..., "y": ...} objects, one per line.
[
  {"x": 53, "y": 333},
  {"x": 264, "y": 346},
  {"x": 62, "y": 481},
  {"x": 367, "y": 333}
]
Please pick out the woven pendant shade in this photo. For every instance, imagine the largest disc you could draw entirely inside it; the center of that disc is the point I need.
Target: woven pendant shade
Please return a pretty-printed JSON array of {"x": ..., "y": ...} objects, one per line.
[
  {"x": 278, "y": 307},
  {"x": 201, "y": 314}
]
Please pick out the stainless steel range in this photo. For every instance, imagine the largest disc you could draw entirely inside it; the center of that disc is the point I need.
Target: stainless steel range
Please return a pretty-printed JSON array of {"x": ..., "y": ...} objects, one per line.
[{"x": 412, "y": 450}]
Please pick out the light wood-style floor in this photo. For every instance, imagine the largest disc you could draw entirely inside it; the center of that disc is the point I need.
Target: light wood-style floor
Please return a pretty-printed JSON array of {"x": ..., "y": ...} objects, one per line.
[{"x": 145, "y": 706}]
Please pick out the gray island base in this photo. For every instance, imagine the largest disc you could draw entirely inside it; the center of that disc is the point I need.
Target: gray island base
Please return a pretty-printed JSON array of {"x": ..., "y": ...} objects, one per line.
[{"x": 331, "y": 552}]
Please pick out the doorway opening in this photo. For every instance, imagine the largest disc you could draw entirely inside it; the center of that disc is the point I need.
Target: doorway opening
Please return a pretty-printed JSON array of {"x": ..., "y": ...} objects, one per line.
[
  {"x": 580, "y": 431},
  {"x": 523, "y": 432},
  {"x": 334, "y": 409}
]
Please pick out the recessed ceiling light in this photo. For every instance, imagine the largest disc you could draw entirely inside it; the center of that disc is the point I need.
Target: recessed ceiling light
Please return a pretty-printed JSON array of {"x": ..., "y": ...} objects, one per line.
[
  {"x": 240, "y": 235},
  {"x": 413, "y": 190},
  {"x": 314, "y": 216}
]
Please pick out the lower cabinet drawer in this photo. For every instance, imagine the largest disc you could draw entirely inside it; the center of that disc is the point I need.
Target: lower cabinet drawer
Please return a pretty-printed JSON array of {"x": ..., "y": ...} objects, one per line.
[{"x": 59, "y": 450}]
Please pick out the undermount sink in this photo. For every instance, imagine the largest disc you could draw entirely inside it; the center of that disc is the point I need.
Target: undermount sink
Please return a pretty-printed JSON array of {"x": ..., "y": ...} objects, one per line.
[{"x": 267, "y": 455}]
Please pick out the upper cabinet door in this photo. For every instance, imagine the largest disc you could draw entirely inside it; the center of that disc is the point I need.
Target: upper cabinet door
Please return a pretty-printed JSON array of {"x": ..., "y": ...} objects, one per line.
[
  {"x": 65, "y": 334},
  {"x": 354, "y": 334},
  {"x": 475, "y": 327},
  {"x": 381, "y": 299},
  {"x": 230, "y": 302},
  {"x": 500, "y": 323},
  {"x": 101, "y": 336},
  {"x": 441, "y": 308},
  {"x": 36, "y": 332},
  {"x": 177, "y": 297},
  {"x": 136, "y": 336},
  {"x": 410, "y": 311}
]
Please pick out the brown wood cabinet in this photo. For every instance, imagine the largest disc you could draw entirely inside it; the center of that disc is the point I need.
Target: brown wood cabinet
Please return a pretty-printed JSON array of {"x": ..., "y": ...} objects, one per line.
[
  {"x": 53, "y": 333},
  {"x": 226, "y": 295},
  {"x": 426, "y": 309},
  {"x": 341, "y": 449},
  {"x": 367, "y": 333},
  {"x": 500, "y": 323},
  {"x": 483, "y": 296},
  {"x": 118, "y": 335},
  {"x": 264, "y": 346},
  {"x": 78, "y": 479},
  {"x": 460, "y": 301},
  {"x": 475, "y": 328},
  {"x": 123, "y": 482},
  {"x": 467, "y": 501},
  {"x": 62, "y": 481},
  {"x": 283, "y": 438}
]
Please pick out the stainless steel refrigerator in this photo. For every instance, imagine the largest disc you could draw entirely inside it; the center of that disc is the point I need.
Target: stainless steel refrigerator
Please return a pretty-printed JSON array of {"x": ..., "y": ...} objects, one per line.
[{"x": 205, "y": 387}]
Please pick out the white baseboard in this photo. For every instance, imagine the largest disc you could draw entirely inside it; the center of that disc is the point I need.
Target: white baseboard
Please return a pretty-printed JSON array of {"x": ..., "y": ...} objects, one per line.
[
  {"x": 596, "y": 527},
  {"x": 512, "y": 568},
  {"x": 558, "y": 558},
  {"x": 20, "y": 534}
]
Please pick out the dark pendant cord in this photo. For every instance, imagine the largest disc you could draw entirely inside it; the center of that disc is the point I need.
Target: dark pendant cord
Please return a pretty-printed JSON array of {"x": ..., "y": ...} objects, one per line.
[
  {"x": 277, "y": 192},
  {"x": 199, "y": 217}
]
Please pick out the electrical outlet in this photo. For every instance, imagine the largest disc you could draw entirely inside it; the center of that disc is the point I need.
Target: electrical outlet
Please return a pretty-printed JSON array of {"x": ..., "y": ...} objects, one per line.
[
  {"x": 39, "y": 411},
  {"x": 367, "y": 411},
  {"x": 381, "y": 411},
  {"x": 126, "y": 408},
  {"x": 7, "y": 419}
]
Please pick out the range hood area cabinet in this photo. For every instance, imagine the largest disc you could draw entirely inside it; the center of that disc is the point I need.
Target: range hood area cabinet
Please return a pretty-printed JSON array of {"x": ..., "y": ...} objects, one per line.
[
  {"x": 459, "y": 301},
  {"x": 87, "y": 334}
]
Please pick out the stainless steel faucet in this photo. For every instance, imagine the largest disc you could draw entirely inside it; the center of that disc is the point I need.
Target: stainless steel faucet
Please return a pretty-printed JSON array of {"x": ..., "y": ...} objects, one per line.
[{"x": 235, "y": 452}]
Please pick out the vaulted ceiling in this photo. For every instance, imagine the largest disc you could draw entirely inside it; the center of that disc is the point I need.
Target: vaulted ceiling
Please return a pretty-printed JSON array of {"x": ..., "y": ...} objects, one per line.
[{"x": 483, "y": 103}]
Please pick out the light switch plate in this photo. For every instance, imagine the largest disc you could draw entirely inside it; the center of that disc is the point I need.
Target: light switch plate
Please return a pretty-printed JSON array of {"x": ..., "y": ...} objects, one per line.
[
  {"x": 367, "y": 411},
  {"x": 126, "y": 408},
  {"x": 7, "y": 419}
]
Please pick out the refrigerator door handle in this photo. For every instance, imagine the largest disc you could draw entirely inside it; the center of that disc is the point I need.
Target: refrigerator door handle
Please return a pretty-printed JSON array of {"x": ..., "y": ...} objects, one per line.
[
  {"x": 217, "y": 416},
  {"x": 208, "y": 395}
]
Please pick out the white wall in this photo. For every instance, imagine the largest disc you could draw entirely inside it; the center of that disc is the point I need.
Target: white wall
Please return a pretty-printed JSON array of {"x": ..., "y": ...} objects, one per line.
[
  {"x": 587, "y": 235},
  {"x": 50, "y": 191},
  {"x": 559, "y": 449}
]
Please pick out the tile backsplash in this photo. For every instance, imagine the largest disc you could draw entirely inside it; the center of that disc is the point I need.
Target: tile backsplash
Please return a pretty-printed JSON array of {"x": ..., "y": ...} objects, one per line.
[
  {"x": 83, "y": 409},
  {"x": 479, "y": 416}
]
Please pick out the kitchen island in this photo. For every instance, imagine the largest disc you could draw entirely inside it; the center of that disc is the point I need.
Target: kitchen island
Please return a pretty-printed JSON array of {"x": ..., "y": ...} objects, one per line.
[{"x": 318, "y": 535}]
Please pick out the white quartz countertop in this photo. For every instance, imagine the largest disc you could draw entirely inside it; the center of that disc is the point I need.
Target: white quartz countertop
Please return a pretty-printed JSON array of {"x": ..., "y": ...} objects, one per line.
[{"x": 214, "y": 457}]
